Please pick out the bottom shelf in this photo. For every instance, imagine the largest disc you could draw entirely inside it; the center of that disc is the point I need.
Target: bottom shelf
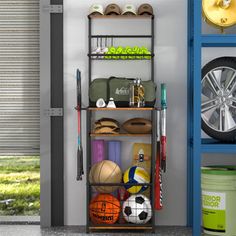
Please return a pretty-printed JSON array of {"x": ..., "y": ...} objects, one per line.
[
  {"x": 122, "y": 227},
  {"x": 120, "y": 210}
]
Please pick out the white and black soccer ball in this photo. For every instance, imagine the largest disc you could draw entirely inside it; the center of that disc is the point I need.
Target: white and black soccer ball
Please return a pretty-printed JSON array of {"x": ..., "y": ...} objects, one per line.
[{"x": 137, "y": 209}]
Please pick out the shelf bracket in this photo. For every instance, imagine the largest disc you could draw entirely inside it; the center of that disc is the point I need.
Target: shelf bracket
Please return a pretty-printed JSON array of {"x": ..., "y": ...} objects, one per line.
[
  {"x": 53, "y": 9},
  {"x": 53, "y": 112}
]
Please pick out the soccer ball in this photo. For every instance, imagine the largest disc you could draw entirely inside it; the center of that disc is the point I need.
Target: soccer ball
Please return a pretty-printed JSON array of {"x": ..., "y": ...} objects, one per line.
[{"x": 137, "y": 209}]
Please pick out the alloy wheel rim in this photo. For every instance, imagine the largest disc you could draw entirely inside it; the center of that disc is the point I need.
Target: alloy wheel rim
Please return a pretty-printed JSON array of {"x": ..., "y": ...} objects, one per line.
[{"x": 218, "y": 99}]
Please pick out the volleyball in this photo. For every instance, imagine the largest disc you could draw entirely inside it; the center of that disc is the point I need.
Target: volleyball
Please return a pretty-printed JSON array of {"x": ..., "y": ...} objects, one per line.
[{"x": 136, "y": 175}]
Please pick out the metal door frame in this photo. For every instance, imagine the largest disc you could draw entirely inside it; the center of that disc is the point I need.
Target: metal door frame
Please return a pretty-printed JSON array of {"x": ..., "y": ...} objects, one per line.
[{"x": 51, "y": 120}]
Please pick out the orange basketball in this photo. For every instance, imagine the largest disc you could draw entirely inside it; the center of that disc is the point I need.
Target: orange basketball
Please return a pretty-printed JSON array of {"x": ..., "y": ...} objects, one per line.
[{"x": 104, "y": 209}]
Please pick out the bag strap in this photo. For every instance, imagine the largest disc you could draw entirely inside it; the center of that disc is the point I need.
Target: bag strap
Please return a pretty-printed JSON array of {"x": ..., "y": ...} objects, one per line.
[{"x": 108, "y": 86}]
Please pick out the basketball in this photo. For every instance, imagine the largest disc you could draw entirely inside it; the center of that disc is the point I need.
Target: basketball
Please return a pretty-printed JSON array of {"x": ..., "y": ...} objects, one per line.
[
  {"x": 136, "y": 175},
  {"x": 104, "y": 209},
  {"x": 91, "y": 173},
  {"x": 105, "y": 172}
]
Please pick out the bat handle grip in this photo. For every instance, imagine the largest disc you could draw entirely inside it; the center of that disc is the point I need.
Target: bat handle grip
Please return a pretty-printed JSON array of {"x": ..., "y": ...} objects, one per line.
[
  {"x": 163, "y": 153},
  {"x": 163, "y": 147}
]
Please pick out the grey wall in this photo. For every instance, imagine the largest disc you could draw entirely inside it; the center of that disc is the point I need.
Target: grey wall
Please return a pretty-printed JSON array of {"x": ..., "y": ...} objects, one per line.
[{"x": 171, "y": 67}]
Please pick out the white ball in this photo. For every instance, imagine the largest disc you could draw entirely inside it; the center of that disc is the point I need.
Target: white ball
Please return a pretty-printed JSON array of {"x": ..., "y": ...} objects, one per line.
[{"x": 137, "y": 209}]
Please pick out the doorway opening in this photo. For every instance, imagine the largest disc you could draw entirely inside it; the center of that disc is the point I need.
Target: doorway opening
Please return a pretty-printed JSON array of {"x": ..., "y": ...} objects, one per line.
[
  {"x": 19, "y": 111},
  {"x": 20, "y": 188}
]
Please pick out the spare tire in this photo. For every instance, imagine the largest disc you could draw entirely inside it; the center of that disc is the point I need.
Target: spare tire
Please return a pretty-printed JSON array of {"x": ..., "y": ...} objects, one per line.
[{"x": 218, "y": 99}]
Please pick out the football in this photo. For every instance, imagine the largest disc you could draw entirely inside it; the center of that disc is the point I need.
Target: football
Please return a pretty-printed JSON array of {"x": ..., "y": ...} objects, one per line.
[
  {"x": 137, "y": 209},
  {"x": 138, "y": 126}
]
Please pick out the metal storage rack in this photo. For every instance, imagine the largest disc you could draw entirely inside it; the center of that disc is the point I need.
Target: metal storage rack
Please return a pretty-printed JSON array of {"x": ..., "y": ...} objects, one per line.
[
  {"x": 196, "y": 145},
  {"x": 90, "y": 110}
]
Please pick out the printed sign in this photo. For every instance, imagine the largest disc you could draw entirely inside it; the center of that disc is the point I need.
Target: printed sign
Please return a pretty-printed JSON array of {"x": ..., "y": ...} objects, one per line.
[{"x": 213, "y": 211}]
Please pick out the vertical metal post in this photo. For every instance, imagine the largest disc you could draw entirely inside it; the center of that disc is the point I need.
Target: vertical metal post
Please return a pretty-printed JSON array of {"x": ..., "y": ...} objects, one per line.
[
  {"x": 45, "y": 122},
  {"x": 190, "y": 116},
  {"x": 154, "y": 130},
  {"x": 88, "y": 120},
  {"x": 57, "y": 122},
  {"x": 197, "y": 119},
  {"x": 51, "y": 129},
  {"x": 88, "y": 166},
  {"x": 152, "y": 47},
  {"x": 90, "y": 49},
  {"x": 153, "y": 162}
]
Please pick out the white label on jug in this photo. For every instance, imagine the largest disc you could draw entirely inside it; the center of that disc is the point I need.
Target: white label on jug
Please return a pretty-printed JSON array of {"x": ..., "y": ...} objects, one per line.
[{"x": 212, "y": 200}]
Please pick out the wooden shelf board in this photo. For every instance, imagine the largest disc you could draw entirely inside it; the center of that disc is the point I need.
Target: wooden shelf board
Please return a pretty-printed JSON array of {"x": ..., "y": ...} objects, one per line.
[
  {"x": 119, "y": 135},
  {"x": 122, "y": 109},
  {"x": 135, "y": 227},
  {"x": 120, "y": 17},
  {"x": 121, "y": 184}
]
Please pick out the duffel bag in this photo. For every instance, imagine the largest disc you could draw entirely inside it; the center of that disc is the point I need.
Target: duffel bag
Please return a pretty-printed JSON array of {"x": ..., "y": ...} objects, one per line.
[{"x": 118, "y": 89}]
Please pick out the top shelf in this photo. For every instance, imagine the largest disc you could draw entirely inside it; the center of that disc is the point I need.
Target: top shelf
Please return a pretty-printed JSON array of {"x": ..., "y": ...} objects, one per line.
[
  {"x": 120, "y": 17},
  {"x": 120, "y": 36}
]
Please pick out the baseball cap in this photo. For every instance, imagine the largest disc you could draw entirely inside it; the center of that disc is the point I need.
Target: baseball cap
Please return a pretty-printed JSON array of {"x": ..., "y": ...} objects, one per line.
[
  {"x": 145, "y": 9},
  {"x": 129, "y": 9},
  {"x": 96, "y": 9},
  {"x": 112, "y": 9}
]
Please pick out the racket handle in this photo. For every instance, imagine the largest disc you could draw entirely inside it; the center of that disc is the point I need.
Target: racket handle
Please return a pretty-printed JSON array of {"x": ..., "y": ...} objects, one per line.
[
  {"x": 81, "y": 161},
  {"x": 79, "y": 167}
]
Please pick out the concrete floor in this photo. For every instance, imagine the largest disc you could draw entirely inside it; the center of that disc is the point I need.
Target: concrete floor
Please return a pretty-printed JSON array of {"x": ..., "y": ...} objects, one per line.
[{"x": 34, "y": 230}]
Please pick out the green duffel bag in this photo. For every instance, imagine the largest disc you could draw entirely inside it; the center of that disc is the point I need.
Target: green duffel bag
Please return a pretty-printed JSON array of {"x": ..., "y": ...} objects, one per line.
[{"x": 118, "y": 89}]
